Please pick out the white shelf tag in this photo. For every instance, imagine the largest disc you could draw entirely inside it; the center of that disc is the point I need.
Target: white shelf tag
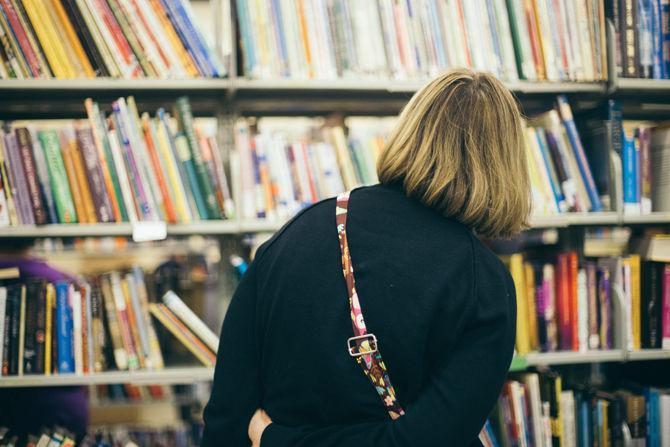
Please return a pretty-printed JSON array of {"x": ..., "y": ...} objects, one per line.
[{"x": 149, "y": 231}]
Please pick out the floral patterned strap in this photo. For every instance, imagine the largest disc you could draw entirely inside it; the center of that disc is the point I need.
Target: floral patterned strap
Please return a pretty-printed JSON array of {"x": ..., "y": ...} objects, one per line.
[{"x": 363, "y": 346}]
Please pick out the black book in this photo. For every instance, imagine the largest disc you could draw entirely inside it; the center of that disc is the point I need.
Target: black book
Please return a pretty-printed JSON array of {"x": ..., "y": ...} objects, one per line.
[
  {"x": 15, "y": 294},
  {"x": 54, "y": 338},
  {"x": 85, "y": 37},
  {"x": 40, "y": 328},
  {"x": 30, "y": 327},
  {"x": 651, "y": 302},
  {"x": 550, "y": 392},
  {"x": 6, "y": 328}
]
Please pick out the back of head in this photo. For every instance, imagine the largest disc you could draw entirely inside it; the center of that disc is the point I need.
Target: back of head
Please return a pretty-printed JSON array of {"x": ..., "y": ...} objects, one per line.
[{"x": 459, "y": 147}]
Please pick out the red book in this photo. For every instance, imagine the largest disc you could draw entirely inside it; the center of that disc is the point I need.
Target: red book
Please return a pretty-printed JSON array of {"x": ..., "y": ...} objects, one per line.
[
  {"x": 535, "y": 44},
  {"x": 170, "y": 214},
  {"x": 29, "y": 168},
  {"x": 21, "y": 37},
  {"x": 573, "y": 269},
  {"x": 563, "y": 306}
]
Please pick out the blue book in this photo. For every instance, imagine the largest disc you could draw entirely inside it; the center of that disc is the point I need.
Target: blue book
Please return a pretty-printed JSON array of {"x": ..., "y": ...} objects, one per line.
[
  {"x": 653, "y": 414},
  {"x": 583, "y": 421},
  {"x": 495, "y": 39},
  {"x": 657, "y": 36},
  {"x": 575, "y": 141},
  {"x": 188, "y": 20},
  {"x": 247, "y": 43},
  {"x": 629, "y": 174},
  {"x": 439, "y": 34},
  {"x": 665, "y": 32},
  {"x": 277, "y": 19},
  {"x": 64, "y": 328},
  {"x": 645, "y": 38},
  {"x": 551, "y": 172}
]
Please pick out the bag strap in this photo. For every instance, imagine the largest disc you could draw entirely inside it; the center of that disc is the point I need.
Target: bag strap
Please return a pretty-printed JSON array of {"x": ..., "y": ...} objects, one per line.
[{"x": 363, "y": 345}]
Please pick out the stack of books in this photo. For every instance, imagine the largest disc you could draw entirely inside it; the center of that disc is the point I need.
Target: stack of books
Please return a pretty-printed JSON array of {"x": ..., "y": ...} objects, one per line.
[
  {"x": 71, "y": 39},
  {"x": 91, "y": 326},
  {"x": 641, "y": 40},
  {"x": 289, "y": 163},
  {"x": 117, "y": 168},
  {"x": 568, "y": 304},
  {"x": 538, "y": 410},
  {"x": 514, "y": 39}
]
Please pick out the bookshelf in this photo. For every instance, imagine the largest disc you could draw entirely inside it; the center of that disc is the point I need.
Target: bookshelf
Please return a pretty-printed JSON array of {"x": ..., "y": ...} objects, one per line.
[{"x": 168, "y": 376}]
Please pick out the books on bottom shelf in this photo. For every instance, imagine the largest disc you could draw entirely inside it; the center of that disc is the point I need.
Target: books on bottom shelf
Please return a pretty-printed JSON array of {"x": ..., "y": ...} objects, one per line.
[
  {"x": 539, "y": 409},
  {"x": 92, "y": 325},
  {"x": 120, "y": 167},
  {"x": 569, "y": 304}
]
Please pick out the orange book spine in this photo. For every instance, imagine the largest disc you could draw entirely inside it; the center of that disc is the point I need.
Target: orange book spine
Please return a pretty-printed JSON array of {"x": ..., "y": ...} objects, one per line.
[
  {"x": 573, "y": 269},
  {"x": 73, "y": 39},
  {"x": 68, "y": 161},
  {"x": 87, "y": 198},
  {"x": 170, "y": 213},
  {"x": 187, "y": 333},
  {"x": 536, "y": 44},
  {"x": 305, "y": 37}
]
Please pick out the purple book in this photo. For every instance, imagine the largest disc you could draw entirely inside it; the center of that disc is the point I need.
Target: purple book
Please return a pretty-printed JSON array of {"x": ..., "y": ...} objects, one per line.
[
  {"x": 549, "y": 303},
  {"x": 592, "y": 294},
  {"x": 604, "y": 298},
  {"x": 18, "y": 180},
  {"x": 96, "y": 181}
]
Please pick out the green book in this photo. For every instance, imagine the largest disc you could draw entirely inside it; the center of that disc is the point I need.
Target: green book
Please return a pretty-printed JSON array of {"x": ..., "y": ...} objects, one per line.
[
  {"x": 58, "y": 176},
  {"x": 188, "y": 167},
  {"x": 185, "y": 118}
]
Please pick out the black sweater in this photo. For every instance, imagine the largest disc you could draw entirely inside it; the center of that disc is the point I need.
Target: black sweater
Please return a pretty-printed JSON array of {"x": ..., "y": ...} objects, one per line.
[{"x": 440, "y": 303}]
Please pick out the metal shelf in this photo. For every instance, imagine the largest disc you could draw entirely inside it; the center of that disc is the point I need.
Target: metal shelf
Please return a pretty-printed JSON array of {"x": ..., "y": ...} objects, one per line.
[
  {"x": 625, "y": 85},
  {"x": 648, "y": 354},
  {"x": 569, "y": 357},
  {"x": 116, "y": 85},
  {"x": 114, "y": 229},
  {"x": 161, "y": 377},
  {"x": 647, "y": 218}
]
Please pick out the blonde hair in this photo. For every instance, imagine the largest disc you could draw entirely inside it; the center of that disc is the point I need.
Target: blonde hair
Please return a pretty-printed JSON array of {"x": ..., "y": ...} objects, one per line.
[{"x": 459, "y": 147}]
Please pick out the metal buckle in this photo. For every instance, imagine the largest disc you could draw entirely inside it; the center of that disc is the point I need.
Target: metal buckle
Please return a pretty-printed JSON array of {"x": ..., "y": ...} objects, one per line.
[{"x": 353, "y": 348}]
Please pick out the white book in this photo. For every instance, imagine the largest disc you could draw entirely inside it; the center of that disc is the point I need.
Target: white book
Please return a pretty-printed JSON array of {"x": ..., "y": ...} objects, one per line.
[
  {"x": 664, "y": 410},
  {"x": 567, "y": 402},
  {"x": 3, "y": 306},
  {"x": 327, "y": 45},
  {"x": 144, "y": 349},
  {"x": 532, "y": 384},
  {"x": 169, "y": 55},
  {"x": 528, "y": 70},
  {"x": 517, "y": 410},
  {"x": 176, "y": 180},
  {"x": 473, "y": 32},
  {"x": 573, "y": 39},
  {"x": 246, "y": 170},
  {"x": 628, "y": 303},
  {"x": 327, "y": 161},
  {"x": 75, "y": 304},
  {"x": 505, "y": 39},
  {"x": 551, "y": 61},
  {"x": 585, "y": 40},
  {"x": 536, "y": 153},
  {"x": 492, "y": 57},
  {"x": 87, "y": 324},
  {"x": 144, "y": 35},
  {"x": 546, "y": 424},
  {"x": 191, "y": 320},
  {"x": 564, "y": 35},
  {"x": 124, "y": 183},
  {"x": 582, "y": 311}
]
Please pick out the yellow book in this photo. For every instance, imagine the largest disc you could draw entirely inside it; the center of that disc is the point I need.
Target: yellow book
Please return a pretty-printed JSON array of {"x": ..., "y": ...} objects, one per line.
[
  {"x": 634, "y": 261},
  {"x": 529, "y": 277},
  {"x": 47, "y": 39},
  {"x": 66, "y": 52},
  {"x": 48, "y": 329},
  {"x": 73, "y": 39},
  {"x": 181, "y": 206},
  {"x": 132, "y": 322},
  {"x": 522, "y": 326}
]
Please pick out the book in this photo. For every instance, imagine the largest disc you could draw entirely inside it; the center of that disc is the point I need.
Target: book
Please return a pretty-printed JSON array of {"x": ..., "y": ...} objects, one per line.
[{"x": 191, "y": 320}]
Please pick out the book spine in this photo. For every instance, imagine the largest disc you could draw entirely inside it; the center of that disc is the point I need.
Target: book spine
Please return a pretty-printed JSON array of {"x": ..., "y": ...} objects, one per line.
[
  {"x": 563, "y": 302},
  {"x": 630, "y": 45},
  {"x": 665, "y": 316},
  {"x": 126, "y": 189},
  {"x": 97, "y": 330},
  {"x": 96, "y": 182},
  {"x": 158, "y": 169},
  {"x": 30, "y": 171},
  {"x": 583, "y": 310},
  {"x": 141, "y": 329},
  {"x": 645, "y": 40},
  {"x": 8, "y": 186},
  {"x": 64, "y": 327},
  {"x": 43, "y": 177},
  {"x": 21, "y": 335},
  {"x": 18, "y": 180},
  {"x": 82, "y": 183},
  {"x": 86, "y": 39},
  {"x": 184, "y": 155},
  {"x": 30, "y": 330},
  {"x": 3, "y": 313},
  {"x": 124, "y": 321},
  {"x": 21, "y": 37},
  {"x": 62, "y": 196},
  {"x": 49, "y": 328},
  {"x": 120, "y": 353},
  {"x": 592, "y": 291},
  {"x": 629, "y": 174},
  {"x": 604, "y": 302},
  {"x": 133, "y": 323},
  {"x": 665, "y": 37},
  {"x": 186, "y": 121},
  {"x": 7, "y": 332},
  {"x": 645, "y": 169},
  {"x": 191, "y": 320},
  {"x": 658, "y": 71},
  {"x": 636, "y": 301},
  {"x": 573, "y": 274},
  {"x": 68, "y": 162},
  {"x": 77, "y": 338},
  {"x": 14, "y": 327}
]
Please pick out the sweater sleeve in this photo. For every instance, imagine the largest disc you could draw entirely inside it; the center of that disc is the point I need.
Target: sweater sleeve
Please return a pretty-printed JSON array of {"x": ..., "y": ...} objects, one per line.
[
  {"x": 236, "y": 392},
  {"x": 458, "y": 395}
]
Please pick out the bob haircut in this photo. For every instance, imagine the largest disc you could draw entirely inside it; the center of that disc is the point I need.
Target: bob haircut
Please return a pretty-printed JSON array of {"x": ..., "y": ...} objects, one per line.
[{"x": 459, "y": 148}]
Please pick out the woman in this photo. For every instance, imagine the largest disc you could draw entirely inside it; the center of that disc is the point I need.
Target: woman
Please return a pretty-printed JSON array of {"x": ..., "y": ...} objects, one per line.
[{"x": 440, "y": 304}]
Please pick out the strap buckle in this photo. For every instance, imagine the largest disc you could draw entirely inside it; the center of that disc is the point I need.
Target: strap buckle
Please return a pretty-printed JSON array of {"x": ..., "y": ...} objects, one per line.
[{"x": 355, "y": 348}]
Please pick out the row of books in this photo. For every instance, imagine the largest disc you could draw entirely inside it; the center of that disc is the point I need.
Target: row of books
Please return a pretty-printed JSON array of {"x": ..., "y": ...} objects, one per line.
[
  {"x": 287, "y": 163},
  {"x": 93, "y": 326},
  {"x": 565, "y": 303},
  {"x": 514, "y": 39},
  {"x": 642, "y": 38},
  {"x": 539, "y": 410},
  {"x": 57, "y": 437},
  {"x": 122, "y": 167},
  {"x": 69, "y": 39}
]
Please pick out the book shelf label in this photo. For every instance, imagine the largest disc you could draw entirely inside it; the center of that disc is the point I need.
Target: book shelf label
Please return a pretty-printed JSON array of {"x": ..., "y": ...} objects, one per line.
[{"x": 149, "y": 231}]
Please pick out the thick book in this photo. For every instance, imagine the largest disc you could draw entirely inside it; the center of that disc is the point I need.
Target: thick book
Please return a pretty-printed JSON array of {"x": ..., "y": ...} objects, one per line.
[
  {"x": 18, "y": 180},
  {"x": 191, "y": 320},
  {"x": 43, "y": 177},
  {"x": 123, "y": 319},
  {"x": 64, "y": 327},
  {"x": 120, "y": 355},
  {"x": 34, "y": 290}
]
